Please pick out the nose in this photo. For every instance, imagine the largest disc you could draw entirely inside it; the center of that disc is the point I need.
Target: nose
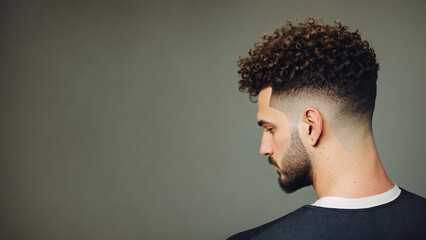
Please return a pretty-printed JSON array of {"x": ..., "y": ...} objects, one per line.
[{"x": 266, "y": 147}]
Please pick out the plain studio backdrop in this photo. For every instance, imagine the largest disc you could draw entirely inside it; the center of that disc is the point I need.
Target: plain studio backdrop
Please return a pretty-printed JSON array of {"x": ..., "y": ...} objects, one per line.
[{"x": 123, "y": 119}]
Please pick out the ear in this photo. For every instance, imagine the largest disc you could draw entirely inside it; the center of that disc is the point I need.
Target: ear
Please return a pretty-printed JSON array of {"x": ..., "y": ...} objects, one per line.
[{"x": 313, "y": 125}]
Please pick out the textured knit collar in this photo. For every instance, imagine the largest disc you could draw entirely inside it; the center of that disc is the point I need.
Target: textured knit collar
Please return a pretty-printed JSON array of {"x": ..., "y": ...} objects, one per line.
[{"x": 358, "y": 203}]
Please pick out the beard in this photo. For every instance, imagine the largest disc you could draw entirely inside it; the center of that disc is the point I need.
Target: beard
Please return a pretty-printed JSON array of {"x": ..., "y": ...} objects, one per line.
[{"x": 296, "y": 166}]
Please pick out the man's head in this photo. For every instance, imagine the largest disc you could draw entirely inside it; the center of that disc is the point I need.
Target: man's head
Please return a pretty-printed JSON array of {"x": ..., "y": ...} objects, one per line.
[{"x": 306, "y": 77}]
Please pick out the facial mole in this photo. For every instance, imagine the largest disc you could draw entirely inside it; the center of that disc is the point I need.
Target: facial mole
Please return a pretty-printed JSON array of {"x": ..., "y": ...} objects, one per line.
[{"x": 354, "y": 181}]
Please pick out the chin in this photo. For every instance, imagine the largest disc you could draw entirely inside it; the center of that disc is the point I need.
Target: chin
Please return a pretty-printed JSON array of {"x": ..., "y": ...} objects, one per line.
[{"x": 292, "y": 185}]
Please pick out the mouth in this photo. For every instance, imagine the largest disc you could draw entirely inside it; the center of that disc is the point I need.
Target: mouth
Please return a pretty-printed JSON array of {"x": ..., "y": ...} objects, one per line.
[{"x": 272, "y": 162}]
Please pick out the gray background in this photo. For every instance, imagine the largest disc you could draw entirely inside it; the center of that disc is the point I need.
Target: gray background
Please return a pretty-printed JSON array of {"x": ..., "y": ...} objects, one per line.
[{"x": 122, "y": 119}]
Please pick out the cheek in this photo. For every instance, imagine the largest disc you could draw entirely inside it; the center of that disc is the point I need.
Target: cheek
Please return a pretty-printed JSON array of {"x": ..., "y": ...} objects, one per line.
[{"x": 282, "y": 141}]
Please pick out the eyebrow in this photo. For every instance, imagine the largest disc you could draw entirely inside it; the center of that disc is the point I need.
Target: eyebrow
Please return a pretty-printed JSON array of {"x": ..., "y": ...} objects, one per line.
[{"x": 261, "y": 122}]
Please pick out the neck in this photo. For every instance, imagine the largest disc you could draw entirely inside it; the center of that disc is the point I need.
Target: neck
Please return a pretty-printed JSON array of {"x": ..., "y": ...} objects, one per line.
[{"x": 355, "y": 173}]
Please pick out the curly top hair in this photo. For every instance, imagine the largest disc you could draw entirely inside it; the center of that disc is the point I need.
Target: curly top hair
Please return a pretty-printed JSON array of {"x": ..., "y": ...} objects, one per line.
[{"x": 314, "y": 58}]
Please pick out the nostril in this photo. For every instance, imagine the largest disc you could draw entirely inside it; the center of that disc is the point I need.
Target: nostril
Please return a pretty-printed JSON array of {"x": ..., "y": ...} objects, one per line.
[{"x": 265, "y": 149}]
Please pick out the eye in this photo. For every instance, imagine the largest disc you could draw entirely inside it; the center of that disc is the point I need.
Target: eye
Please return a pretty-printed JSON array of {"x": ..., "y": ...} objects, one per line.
[{"x": 269, "y": 130}]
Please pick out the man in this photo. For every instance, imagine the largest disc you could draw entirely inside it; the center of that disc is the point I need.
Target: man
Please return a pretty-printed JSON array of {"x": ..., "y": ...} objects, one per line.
[{"x": 316, "y": 89}]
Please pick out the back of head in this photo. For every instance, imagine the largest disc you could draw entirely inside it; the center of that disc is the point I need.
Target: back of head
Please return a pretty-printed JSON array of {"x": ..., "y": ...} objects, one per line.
[{"x": 313, "y": 59}]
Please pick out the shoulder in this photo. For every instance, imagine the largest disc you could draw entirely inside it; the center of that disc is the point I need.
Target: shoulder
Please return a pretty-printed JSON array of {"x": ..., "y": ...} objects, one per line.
[
  {"x": 403, "y": 218},
  {"x": 409, "y": 200},
  {"x": 410, "y": 205},
  {"x": 279, "y": 224},
  {"x": 413, "y": 198}
]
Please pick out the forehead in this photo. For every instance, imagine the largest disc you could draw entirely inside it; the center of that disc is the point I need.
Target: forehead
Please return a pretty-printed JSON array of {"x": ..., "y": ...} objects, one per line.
[
  {"x": 265, "y": 111},
  {"x": 264, "y": 98}
]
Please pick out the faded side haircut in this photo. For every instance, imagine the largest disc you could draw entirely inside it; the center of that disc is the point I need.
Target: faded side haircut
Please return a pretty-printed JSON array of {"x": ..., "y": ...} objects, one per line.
[{"x": 314, "y": 58}]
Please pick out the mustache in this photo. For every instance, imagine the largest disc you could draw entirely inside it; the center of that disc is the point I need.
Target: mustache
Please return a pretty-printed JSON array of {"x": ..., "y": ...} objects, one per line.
[{"x": 272, "y": 161}]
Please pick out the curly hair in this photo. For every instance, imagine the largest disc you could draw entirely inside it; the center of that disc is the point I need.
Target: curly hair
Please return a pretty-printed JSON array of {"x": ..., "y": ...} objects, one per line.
[{"x": 313, "y": 57}]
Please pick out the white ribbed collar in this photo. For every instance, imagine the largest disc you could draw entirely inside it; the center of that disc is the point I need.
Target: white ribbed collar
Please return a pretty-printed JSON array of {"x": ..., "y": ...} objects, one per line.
[{"x": 357, "y": 203}]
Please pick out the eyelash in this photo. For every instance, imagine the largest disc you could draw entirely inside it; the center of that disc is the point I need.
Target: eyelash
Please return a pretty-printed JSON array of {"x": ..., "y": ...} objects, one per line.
[{"x": 269, "y": 130}]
